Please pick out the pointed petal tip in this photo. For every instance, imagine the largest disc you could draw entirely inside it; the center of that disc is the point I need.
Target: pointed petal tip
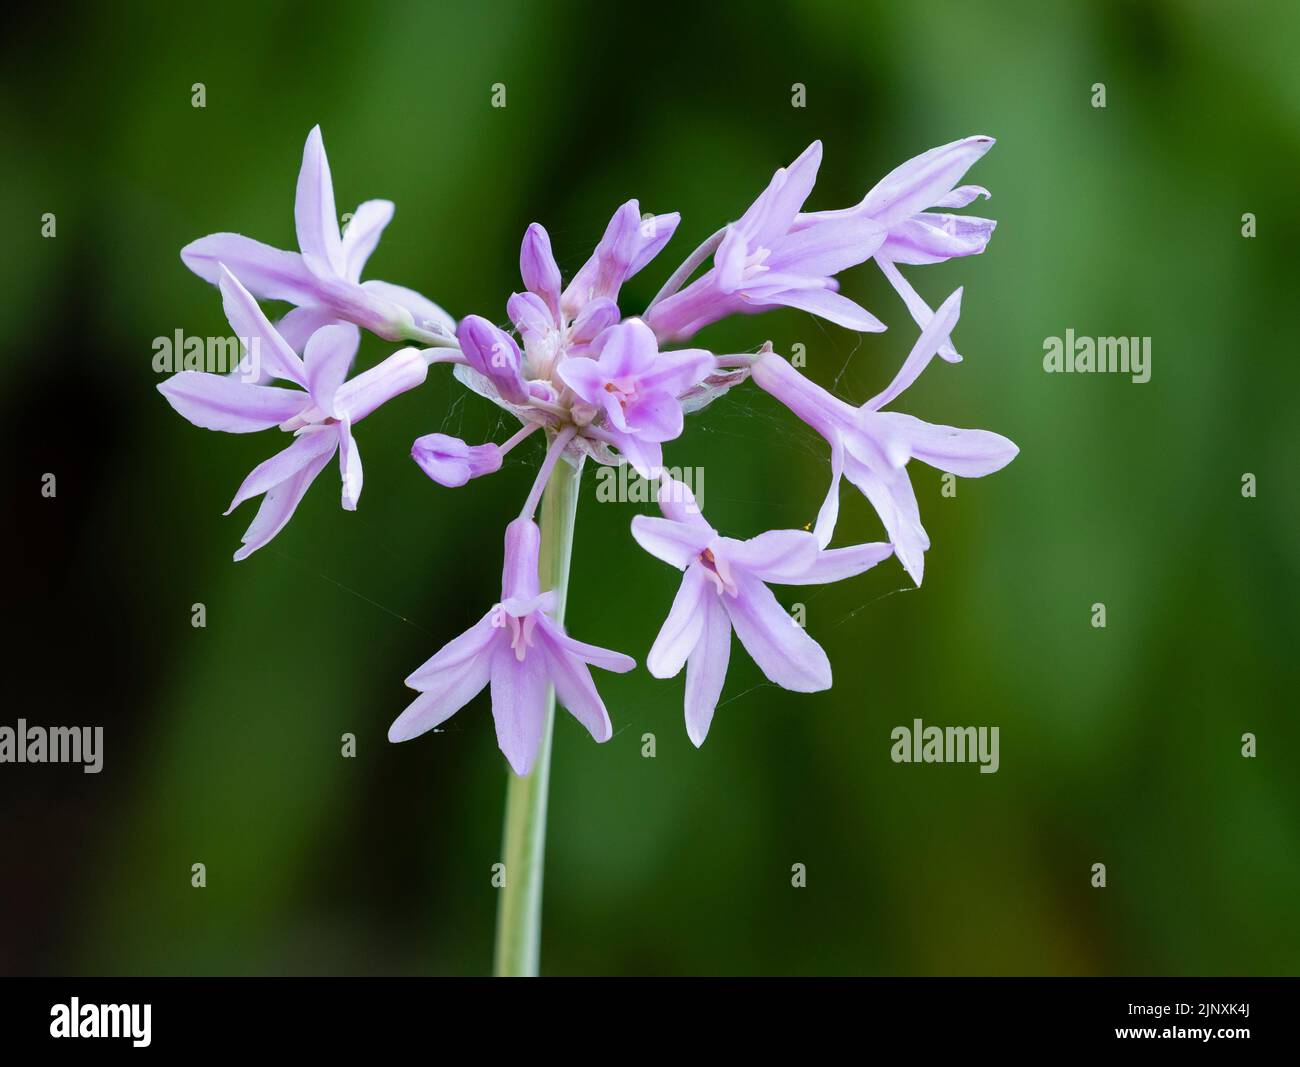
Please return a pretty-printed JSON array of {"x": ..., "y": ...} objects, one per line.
[{"x": 915, "y": 569}]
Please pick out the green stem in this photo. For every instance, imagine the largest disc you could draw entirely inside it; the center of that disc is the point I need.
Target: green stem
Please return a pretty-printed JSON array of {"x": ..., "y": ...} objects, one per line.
[{"x": 519, "y": 913}]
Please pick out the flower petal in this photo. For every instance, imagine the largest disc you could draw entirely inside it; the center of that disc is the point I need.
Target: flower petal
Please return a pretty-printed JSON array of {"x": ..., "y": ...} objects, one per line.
[
  {"x": 965, "y": 453},
  {"x": 829, "y": 513},
  {"x": 279, "y": 505},
  {"x": 917, "y": 308},
  {"x": 585, "y": 377},
  {"x": 628, "y": 350},
  {"x": 261, "y": 343},
  {"x": 314, "y": 212},
  {"x": 469, "y": 645},
  {"x": 447, "y": 688},
  {"x": 300, "y": 323},
  {"x": 574, "y": 688},
  {"x": 653, "y": 233},
  {"x": 923, "y": 180},
  {"x": 892, "y": 496},
  {"x": 827, "y": 246},
  {"x": 782, "y": 649},
  {"x": 349, "y": 466},
  {"x": 836, "y": 564},
  {"x": 826, "y": 304},
  {"x": 594, "y": 319},
  {"x": 934, "y": 334},
  {"x": 285, "y": 464},
  {"x": 403, "y": 370},
  {"x": 678, "y": 503},
  {"x": 676, "y": 543},
  {"x": 654, "y": 417},
  {"x": 681, "y": 630},
  {"x": 729, "y": 260},
  {"x": 769, "y": 218},
  {"x": 218, "y": 402},
  {"x": 518, "y": 703},
  {"x": 930, "y": 237},
  {"x": 531, "y": 316},
  {"x": 646, "y": 457},
  {"x": 328, "y": 357},
  {"x": 962, "y": 196},
  {"x": 362, "y": 235},
  {"x": 677, "y": 372},
  {"x": 775, "y": 555},
  {"x": 269, "y": 273},
  {"x": 706, "y": 670}
]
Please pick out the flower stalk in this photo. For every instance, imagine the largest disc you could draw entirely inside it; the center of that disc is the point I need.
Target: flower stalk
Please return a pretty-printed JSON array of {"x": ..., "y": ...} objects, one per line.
[{"x": 523, "y": 849}]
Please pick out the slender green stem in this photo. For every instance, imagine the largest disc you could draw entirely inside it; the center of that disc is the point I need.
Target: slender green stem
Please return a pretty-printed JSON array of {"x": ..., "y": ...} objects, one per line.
[{"x": 519, "y": 912}]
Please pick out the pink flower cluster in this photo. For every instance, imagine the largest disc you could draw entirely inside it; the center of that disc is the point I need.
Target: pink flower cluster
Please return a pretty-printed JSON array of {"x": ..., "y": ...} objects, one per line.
[{"x": 603, "y": 385}]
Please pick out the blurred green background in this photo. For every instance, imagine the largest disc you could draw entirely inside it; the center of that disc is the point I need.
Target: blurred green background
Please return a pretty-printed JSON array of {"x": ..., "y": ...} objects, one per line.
[{"x": 1118, "y": 746}]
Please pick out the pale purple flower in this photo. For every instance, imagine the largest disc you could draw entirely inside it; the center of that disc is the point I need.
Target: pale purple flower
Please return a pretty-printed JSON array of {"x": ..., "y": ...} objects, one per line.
[
  {"x": 320, "y": 412},
  {"x": 518, "y": 650},
  {"x": 763, "y": 262},
  {"x": 637, "y": 387},
  {"x": 872, "y": 447},
  {"x": 324, "y": 278},
  {"x": 899, "y": 204},
  {"x": 724, "y": 588}
]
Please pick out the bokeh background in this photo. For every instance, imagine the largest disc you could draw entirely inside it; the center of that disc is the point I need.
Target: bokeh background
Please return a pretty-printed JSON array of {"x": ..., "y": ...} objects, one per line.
[{"x": 1119, "y": 746}]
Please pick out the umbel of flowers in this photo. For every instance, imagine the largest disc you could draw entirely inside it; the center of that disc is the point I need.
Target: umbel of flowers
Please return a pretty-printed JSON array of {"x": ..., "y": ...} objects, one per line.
[{"x": 600, "y": 384}]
